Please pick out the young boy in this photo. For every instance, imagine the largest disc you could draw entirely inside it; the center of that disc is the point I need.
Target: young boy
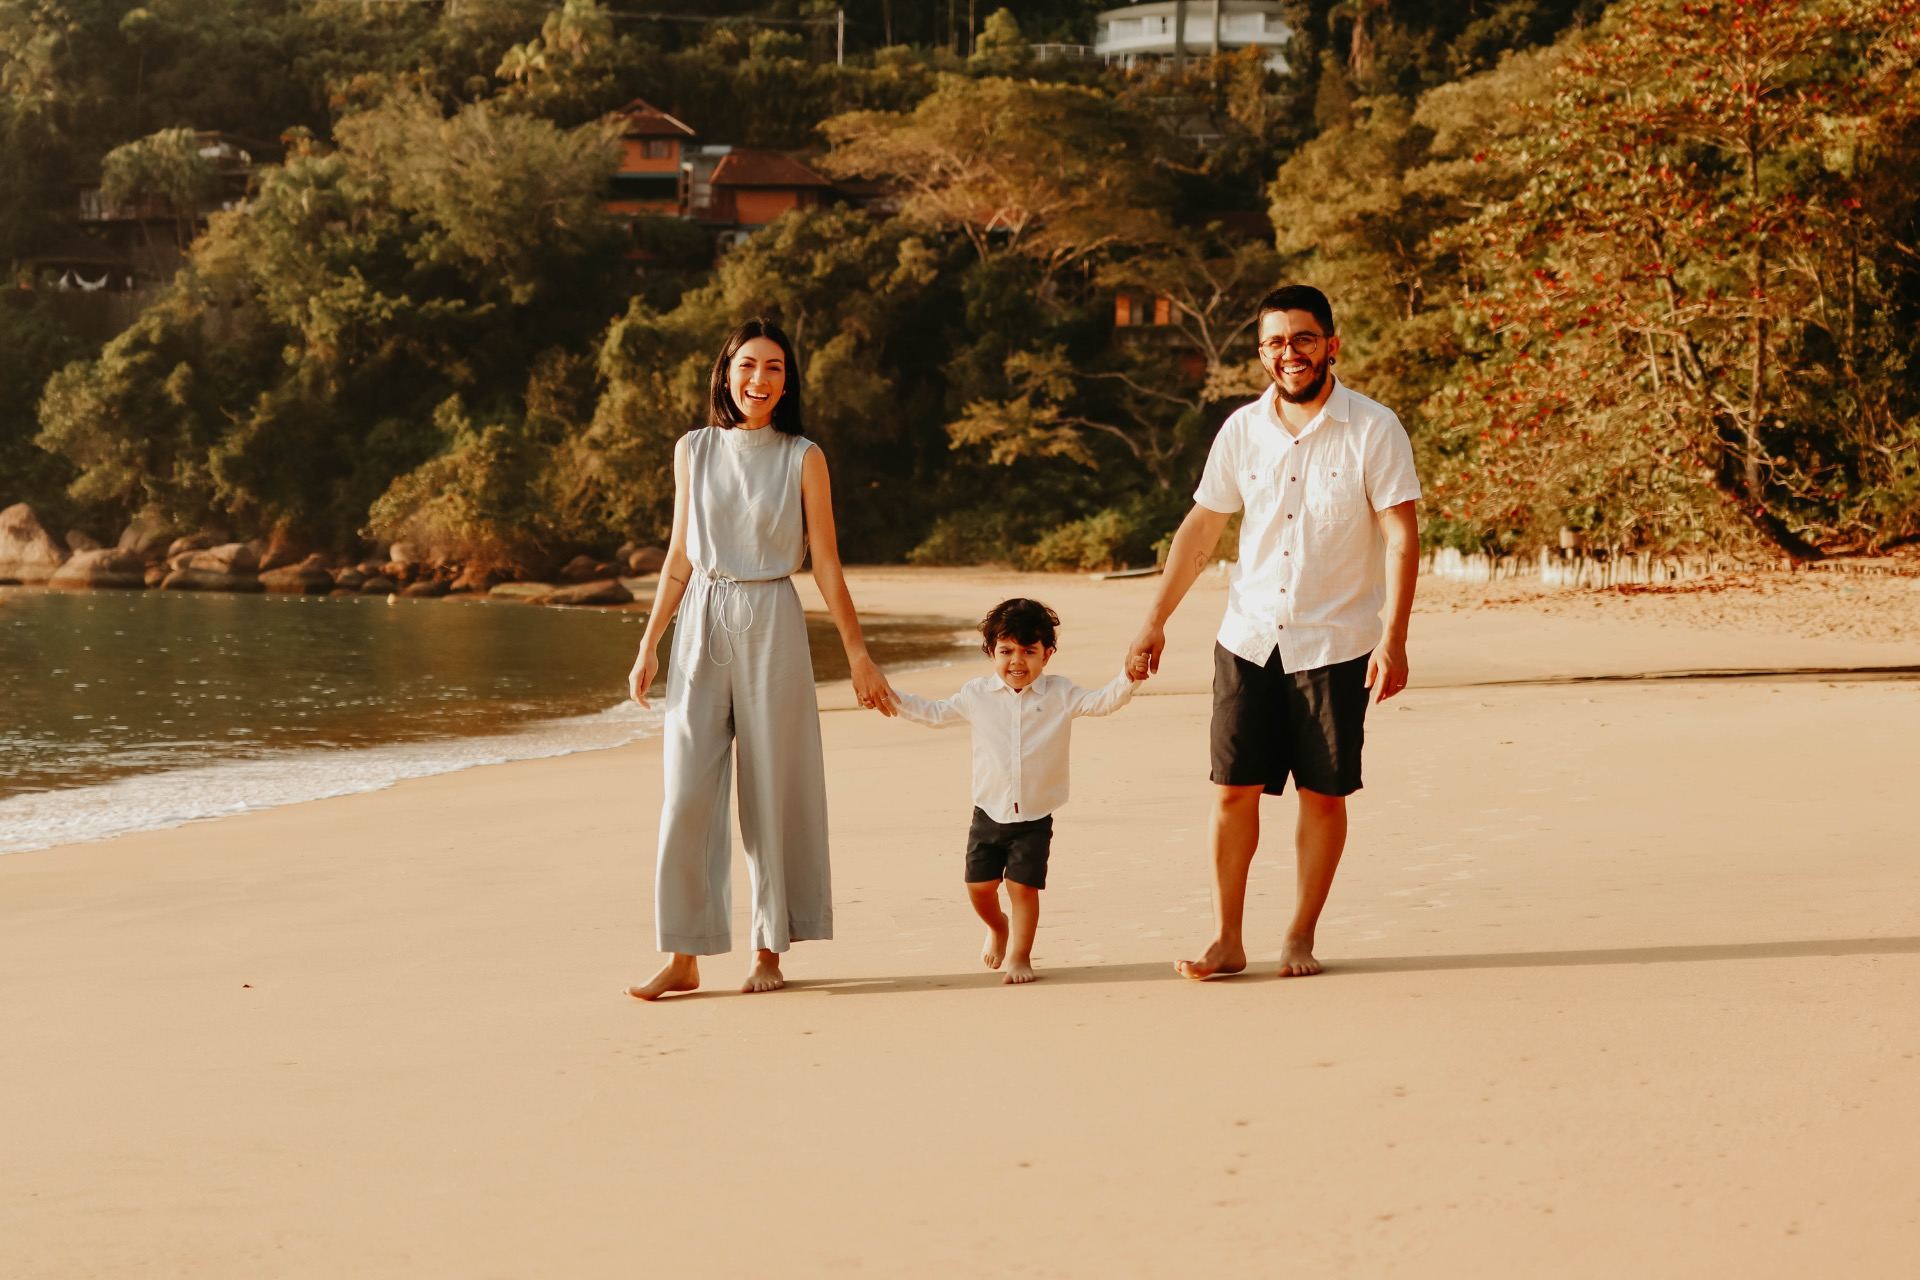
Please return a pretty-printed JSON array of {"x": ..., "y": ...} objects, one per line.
[{"x": 1021, "y": 718}]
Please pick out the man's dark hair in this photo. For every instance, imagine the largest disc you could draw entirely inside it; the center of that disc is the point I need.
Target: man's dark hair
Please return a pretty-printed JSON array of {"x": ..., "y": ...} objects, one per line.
[
  {"x": 722, "y": 411},
  {"x": 1021, "y": 621},
  {"x": 1297, "y": 297}
]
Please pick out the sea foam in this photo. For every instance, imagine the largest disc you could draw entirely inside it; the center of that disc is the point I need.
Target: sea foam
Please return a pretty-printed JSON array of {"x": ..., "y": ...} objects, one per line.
[{"x": 169, "y": 798}]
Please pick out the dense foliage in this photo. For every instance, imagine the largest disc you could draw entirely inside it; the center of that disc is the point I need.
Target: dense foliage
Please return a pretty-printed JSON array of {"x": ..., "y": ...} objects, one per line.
[{"x": 1646, "y": 270}]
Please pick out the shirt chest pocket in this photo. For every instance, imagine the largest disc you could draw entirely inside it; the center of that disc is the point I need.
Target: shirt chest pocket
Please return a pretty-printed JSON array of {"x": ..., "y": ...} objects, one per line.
[{"x": 1335, "y": 492}]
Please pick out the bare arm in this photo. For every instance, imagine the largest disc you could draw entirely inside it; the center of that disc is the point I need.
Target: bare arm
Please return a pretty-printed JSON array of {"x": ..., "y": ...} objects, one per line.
[
  {"x": 1387, "y": 672},
  {"x": 823, "y": 544},
  {"x": 674, "y": 575},
  {"x": 1192, "y": 548}
]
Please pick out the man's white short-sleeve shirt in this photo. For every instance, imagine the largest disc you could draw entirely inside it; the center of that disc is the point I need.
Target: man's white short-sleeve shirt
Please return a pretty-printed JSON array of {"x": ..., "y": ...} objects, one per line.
[{"x": 1311, "y": 578}]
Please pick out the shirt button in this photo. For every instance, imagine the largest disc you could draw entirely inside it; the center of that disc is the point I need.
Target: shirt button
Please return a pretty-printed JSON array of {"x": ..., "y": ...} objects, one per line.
[{"x": 1289, "y": 515}]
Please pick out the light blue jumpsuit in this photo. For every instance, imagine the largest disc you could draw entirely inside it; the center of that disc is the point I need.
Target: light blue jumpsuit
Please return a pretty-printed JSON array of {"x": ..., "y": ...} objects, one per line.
[{"x": 740, "y": 677}]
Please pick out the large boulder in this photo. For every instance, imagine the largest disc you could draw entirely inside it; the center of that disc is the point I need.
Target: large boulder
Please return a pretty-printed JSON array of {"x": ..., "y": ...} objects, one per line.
[
  {"x": 379, "y": 585},
  {"x": 349, "y": 579},
  {"x": 234, "y": 566},
  {"x": 606, "y": 591},
  {"x": 427, "y": 589},
  {"x": 188, "y": 543},
  {"x": 521, "y": 591},
  {"x": 190, "y": 579},
  {"x": 148, "y": 536},
  {"x": 282, "y": 551},
  {"x": 101, "y": 567},
  {"x": 646, "y": 560},
  {"x": 310, "y": 578},
  {"x": 477, "y": 577},
  {"x": 79, "y": 540},
  {"x": 409, "y": 554},
  {"x": 232, "y": 557},
  {"x": 27, "y": 552},
  {"x": 582, "y": 568}
]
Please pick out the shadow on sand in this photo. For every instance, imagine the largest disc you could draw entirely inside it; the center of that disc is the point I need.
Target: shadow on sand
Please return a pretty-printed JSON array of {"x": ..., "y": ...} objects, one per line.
[{"x": 1162, "y": 971}]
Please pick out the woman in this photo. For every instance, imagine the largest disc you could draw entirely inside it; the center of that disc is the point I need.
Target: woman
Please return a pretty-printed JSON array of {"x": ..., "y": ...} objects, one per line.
[{"x": 751, "y": 501}]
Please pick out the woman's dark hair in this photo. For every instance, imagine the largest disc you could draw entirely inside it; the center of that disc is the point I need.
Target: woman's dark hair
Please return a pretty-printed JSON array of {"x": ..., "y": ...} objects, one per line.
[
  {"x": 1298, "y": 297},
  {"x": 722, "y": 411},
  {"x": 1021, "y": 621}
]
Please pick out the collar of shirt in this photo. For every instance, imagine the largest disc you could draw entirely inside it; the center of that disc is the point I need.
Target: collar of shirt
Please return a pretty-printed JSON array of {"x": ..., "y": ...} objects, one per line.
[{"x": 1337, "y": 408}]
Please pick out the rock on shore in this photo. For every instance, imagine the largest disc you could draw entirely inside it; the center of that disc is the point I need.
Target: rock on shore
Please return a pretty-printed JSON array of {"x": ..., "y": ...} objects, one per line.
[
  {"x": 28, "y": 553},
  {"x": 104, "y": 567}
]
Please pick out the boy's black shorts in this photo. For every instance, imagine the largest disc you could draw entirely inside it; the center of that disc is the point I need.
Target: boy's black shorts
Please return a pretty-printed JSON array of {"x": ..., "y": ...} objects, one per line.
[
  {"x": 1015, "y": 851},
  {"x": 1268, "y": 723}
]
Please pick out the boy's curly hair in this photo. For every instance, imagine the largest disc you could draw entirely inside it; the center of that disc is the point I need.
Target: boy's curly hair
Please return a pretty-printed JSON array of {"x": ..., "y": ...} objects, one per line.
[{"x": 1020, "y": 620}]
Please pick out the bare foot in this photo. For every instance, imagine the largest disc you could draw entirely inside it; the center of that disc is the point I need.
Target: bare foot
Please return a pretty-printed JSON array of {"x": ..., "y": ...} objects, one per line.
[
  {"x": 1296, "y": 959},
  {"x": 995, "y": 947},
  {"x": 1019, "y": 970},
  {"x": 765, "y": 974},
  {"x": 1219, "y": 961},
  {"x": 682, "y": 973}
]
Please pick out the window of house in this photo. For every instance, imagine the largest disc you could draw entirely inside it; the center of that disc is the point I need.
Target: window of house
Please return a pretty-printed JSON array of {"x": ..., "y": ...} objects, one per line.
[{"x": 657, "y": 148}]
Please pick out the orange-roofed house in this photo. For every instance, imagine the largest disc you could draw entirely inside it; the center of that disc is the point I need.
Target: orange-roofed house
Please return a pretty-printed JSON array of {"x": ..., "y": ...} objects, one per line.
[
  {"x": 749, "y": 189},
  {"x": 649, "y": 177}
]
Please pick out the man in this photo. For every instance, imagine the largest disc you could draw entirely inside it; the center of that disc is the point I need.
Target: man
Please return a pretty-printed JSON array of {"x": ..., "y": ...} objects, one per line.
[{"x": 1325, "y": 480}]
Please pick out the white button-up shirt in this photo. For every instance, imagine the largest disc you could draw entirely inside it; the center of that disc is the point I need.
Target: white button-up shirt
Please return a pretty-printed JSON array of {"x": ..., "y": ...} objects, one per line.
[
  {"x": 1019, "y": 737},
  {"x": 1311, "y": 578}
]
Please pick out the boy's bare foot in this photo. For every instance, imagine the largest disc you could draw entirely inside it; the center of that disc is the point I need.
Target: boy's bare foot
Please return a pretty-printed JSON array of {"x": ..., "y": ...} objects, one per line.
[
  {"x": 1219, "y": 961},
  {"x": 1296, "y": 959},
  {"x": 765, "y": 974},
  {"x": 1019, "y": 970},
  {"x": 995, "y": 947},
  {"x": 682, "y": 973}
]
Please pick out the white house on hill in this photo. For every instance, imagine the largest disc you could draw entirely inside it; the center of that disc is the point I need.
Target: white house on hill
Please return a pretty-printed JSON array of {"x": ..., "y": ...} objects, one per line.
[{"x": 1174, "y": 30}]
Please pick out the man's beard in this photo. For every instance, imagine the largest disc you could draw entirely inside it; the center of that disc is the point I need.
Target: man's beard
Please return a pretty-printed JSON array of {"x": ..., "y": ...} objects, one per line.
[{"x": 1308, "y": 393}]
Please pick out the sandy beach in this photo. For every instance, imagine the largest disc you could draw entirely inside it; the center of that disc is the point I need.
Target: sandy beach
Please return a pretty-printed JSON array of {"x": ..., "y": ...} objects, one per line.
[{"x": 1623, "y": 978}]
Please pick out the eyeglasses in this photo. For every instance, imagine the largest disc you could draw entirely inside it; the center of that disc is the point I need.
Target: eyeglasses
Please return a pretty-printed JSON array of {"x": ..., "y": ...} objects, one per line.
[{"x": 1304, "y": 343}]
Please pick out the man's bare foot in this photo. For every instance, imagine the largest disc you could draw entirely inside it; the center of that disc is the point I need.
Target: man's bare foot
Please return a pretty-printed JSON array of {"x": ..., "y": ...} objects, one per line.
[
  {"x": 995, "y": 947},
  {"x": 1296, "y": 959},
  {"x": 681, "y": 973},
  {"x": 1019, "y": 970},
  {"x": 1219, "y": 961},
  {"x": 765, "y": 974}
]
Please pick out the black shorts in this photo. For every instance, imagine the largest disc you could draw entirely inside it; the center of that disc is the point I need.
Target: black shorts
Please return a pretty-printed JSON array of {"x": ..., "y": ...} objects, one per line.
[
  {"x": 1015, "y": 851},
  {"x": 1268, "y": 723}
]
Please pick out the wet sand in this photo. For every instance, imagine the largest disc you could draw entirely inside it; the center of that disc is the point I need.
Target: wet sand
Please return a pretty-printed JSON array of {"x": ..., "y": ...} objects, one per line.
[{"x": 1623, "y": 978}]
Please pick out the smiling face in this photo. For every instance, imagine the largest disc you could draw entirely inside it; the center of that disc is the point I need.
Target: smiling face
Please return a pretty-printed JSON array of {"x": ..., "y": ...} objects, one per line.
[
  {"x": 1019, "y": 664},
  {"x": 1297, "y": 354},
  {"x": 757, "y": 378}
]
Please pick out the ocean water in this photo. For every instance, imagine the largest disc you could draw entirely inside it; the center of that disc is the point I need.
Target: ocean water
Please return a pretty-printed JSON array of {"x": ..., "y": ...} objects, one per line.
[{"x": 122, "y": 711}]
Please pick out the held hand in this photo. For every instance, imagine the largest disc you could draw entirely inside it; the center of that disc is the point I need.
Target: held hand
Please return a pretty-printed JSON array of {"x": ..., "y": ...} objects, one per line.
[
  {"x": 1387, "y": 669},
  {"x": 645, "y": 668},
  {"x": 871, "y": 688},
  {"x": 1143, "y": 656}
]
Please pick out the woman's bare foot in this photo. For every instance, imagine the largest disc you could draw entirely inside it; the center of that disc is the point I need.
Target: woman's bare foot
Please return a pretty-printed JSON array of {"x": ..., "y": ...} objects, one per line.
[
  {"x": 995, "y": 947},
  {"x": 1220, "y": 960},
  {"x": 1019, "y": 969},
  {"x": 1296, "y": 959},
  {"x": 681, "y": 973},
  {"x": 765, "y": 974}
]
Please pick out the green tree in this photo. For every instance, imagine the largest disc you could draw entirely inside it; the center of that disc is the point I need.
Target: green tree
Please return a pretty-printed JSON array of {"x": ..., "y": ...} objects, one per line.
[
  {"x": 1057, "y": 174},
  {"x": 1000, "y": 48},
  {"x": 1683, "y": 314}
]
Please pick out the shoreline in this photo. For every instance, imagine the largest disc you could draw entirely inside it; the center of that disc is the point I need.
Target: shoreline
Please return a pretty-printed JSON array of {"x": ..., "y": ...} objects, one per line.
[{"x": 1588, "y": 946}]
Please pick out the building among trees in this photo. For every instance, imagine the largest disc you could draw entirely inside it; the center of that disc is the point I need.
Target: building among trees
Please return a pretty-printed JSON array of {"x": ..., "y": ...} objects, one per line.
[{"x": 1173, "y": 30}]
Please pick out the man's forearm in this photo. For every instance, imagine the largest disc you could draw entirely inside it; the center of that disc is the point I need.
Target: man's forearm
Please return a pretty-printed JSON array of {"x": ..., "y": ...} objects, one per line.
[
  {"x": 1187, "y": 555},
  {"x": 1403, "y": 573}
]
